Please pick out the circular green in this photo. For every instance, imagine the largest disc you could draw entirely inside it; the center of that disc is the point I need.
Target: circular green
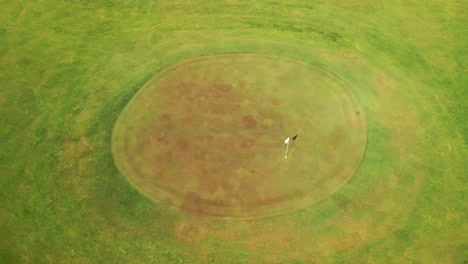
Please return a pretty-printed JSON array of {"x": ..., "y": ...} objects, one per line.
[{"x": 208, "y": 136}]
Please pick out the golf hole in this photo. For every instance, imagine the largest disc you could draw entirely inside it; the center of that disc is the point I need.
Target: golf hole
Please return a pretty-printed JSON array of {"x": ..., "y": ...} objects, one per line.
[{"x": 207, "y": 136}]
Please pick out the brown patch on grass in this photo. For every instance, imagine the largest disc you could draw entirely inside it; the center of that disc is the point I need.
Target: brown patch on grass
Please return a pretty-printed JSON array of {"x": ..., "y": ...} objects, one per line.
[
  {"x": 384, "y": 83},
  {"x": 353, "y": 233},
  {"x": 84, "y": 141},
  {"x": 249, "y": 122},
  {"x": 75, "y": 161},
  {"x": 190, "y": 231},
  {"x": 379, "y": 212},
  {"x": 200, "y": 155},
  {"x": 73, "y": 151},
  {"x": 261, "y": 237},
  {"x": 394, "y": 180},
  {"x": 350, "y": 55},
  {"x": 165, "y": 117},
  {"x": 227, "y": 234},
  {"x": 406, "y": 145},
  {"x": 50, "y": 258}
]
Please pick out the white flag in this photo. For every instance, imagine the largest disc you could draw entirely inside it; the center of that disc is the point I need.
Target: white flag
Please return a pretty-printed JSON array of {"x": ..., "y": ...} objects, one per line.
[{"x": 286, "y": 141}]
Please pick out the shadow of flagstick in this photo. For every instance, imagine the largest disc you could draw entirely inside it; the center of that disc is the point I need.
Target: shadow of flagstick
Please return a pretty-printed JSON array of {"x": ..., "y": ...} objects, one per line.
[{"x": 292, "y": 144}]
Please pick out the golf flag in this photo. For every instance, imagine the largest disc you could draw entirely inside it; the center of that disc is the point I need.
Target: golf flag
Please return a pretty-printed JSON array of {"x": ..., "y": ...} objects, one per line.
[{"x": 287, "y": 144}]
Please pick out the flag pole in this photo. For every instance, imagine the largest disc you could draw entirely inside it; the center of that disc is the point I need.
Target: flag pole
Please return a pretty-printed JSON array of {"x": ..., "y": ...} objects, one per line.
[
  {"x": 287, "y": 144},
  {"x": 287, "y": 148}
]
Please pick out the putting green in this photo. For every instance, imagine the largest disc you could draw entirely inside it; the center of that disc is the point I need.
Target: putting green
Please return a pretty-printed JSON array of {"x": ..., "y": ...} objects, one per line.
[{"x": 207, "y": 136}]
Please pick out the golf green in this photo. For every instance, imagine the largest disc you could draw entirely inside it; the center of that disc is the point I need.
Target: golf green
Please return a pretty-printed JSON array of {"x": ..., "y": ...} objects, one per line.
[{"x": 208, "y": 136}]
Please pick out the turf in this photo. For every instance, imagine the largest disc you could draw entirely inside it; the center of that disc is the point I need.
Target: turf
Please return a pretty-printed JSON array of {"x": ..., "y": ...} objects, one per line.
[
  {"x": 68, "y": 69},
  {"x": 207, "y": 136}
]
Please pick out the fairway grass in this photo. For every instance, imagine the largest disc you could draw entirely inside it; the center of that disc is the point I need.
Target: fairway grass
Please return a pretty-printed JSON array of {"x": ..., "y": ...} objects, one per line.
[{"x": 69, "y": 68}]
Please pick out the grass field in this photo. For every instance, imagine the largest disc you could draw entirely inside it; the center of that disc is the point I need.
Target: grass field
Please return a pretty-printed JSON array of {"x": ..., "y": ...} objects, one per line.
[{"x": 69, "y": 68}]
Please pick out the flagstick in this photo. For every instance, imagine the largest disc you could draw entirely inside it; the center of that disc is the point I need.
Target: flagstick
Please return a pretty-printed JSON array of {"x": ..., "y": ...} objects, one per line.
[{"x": 287, "y": 144}]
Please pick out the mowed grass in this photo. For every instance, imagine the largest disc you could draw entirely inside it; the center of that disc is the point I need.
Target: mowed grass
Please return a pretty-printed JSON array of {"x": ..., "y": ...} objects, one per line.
[
  {"x": 67, "y": 69},
  {"x": 222, "y": 153}
]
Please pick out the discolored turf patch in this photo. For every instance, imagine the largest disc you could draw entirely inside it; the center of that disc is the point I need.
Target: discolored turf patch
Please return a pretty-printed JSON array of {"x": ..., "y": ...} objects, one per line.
[{"x": 207, "y": 136}]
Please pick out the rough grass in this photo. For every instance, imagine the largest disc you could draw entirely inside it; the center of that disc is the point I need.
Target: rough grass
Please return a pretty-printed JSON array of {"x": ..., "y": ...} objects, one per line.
[{"x": 68, "y": 68}]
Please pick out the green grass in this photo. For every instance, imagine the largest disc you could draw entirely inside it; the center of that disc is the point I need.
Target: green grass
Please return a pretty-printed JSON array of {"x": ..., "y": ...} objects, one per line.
[{"x": 67, "y": 69}]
